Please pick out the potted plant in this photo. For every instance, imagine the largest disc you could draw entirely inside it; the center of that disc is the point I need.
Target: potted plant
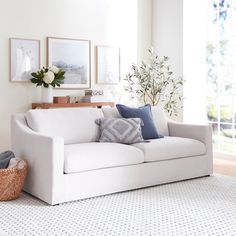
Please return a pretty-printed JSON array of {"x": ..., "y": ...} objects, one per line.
[
  {"x": 48, "y": 78},
  {"x": 153, "y": 83}
]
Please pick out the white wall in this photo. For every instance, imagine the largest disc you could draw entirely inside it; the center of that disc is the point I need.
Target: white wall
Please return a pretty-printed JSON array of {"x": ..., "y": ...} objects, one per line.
[
  {"x": 168, "y": 33},
  {"x": 104, "y": 22},
  {"x": 145, "y": 9},
  {"x": 194, "y": 54}
]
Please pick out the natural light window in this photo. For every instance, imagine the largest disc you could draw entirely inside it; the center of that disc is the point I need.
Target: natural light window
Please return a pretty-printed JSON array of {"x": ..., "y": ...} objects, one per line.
[{"x": 221, "y": 73}]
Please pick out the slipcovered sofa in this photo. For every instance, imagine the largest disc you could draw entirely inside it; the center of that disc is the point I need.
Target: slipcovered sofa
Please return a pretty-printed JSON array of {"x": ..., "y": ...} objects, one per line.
[{"x": 66, "y": 163}]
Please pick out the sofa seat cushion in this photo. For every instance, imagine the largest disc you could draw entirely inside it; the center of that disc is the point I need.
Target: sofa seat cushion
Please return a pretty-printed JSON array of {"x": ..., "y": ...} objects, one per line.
[
  {"x": 91, "y": 156},
  {"x": 170, "y": 148}
]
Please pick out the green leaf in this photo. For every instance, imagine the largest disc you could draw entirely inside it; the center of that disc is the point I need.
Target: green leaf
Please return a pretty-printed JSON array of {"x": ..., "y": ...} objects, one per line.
[
  {"x": 34, "y": 81},
  {"x": 152, "y": 78}
]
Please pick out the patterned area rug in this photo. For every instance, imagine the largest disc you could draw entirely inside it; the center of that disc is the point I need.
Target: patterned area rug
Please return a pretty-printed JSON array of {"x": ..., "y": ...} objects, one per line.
[{"x": 203, "y": 206}]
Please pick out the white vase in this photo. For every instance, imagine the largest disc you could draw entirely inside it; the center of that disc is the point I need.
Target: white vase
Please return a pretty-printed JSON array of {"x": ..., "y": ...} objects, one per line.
[{"x": 46, "y": 95}]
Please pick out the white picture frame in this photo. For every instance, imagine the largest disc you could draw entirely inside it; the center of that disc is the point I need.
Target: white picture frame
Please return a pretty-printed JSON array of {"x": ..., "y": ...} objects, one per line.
[
  {"x": 73, "y": 56},
  {"x": 108, "y": 65},
  {"x": 24, "y": 58}
]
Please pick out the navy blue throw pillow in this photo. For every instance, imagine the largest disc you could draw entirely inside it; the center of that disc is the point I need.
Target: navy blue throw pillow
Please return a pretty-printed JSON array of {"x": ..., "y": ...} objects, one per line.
[{"x": 149, "y": 130}]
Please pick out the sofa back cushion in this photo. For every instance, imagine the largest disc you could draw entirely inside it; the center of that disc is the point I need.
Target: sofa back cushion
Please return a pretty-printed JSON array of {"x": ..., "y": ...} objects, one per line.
[
  {"x": 158, "y": 114},
  {"x": 75, "y": 125}
]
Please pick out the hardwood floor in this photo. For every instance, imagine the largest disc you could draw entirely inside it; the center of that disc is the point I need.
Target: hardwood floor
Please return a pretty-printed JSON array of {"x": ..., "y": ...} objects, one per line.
[{"x": 224, "y": 167}]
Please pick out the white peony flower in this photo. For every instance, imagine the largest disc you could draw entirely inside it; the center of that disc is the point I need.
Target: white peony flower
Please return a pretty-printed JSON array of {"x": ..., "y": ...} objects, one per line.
[
  {"x": 48, "y": 77},
  {"x": 54, "y": 69}
]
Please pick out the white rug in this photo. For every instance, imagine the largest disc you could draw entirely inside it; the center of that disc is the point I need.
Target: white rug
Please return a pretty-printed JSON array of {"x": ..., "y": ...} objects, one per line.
[{"x": 204, "y": 206}]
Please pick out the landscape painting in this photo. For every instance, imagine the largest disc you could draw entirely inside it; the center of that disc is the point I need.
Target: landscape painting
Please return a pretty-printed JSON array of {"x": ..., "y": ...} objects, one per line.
[{"x": 73, "y": 56}]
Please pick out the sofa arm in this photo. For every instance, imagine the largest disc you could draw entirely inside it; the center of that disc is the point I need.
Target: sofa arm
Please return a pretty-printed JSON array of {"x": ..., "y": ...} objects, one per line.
[
  {"x": 202, "y": 133},
  {"x": 45, "y": 156}
]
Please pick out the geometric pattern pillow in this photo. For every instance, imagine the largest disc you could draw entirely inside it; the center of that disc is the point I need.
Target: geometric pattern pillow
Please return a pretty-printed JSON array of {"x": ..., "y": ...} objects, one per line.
[{"x": 120, "y": 130}]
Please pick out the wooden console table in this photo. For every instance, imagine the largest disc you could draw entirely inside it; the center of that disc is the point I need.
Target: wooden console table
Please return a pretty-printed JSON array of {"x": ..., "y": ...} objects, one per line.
[{"x": 68, "y": 105}]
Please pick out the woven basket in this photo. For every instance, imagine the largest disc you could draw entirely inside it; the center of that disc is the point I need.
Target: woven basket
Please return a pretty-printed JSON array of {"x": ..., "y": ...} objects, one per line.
[{"x": 12, "y": 181}]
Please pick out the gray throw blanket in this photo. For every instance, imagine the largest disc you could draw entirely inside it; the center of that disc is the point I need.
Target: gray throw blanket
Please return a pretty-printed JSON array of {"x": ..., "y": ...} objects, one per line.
[{"x": 5, "y": 158}]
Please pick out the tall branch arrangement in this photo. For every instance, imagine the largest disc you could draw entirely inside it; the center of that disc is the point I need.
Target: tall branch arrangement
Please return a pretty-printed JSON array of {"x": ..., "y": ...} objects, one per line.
[{"x": 153, "y": 83}]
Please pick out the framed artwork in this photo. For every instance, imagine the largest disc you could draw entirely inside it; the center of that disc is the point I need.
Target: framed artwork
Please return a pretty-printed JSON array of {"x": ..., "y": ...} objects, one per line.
[
  {"x": 24, "y": 58},
  {"x": 73, "y": 56},
  {"x": 108, "y": 65}
]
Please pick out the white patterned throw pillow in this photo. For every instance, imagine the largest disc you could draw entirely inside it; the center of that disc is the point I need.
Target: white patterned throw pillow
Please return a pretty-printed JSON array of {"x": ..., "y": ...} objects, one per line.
[{"x": 120, "y": 130}]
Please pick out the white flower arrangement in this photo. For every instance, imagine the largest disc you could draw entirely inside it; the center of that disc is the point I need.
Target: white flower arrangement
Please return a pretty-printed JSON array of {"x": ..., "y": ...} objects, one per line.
[
  {"x": 48, "y": 76},
  {"x": 54, "y": 69}
]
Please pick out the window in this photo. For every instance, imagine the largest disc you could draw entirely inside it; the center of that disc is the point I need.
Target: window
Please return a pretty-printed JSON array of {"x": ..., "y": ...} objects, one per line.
[{"x": 221, "y": 73}]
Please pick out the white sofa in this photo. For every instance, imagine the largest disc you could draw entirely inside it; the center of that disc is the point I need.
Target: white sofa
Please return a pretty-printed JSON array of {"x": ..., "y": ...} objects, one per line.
[{"x": 66, "y": 163}]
